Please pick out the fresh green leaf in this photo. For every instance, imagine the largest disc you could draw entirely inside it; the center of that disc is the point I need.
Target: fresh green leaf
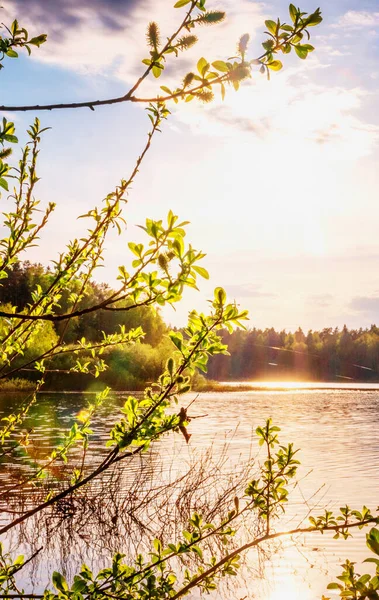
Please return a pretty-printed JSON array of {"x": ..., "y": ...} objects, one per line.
[
  {"x": 301, "y": 51},
  {"x": 202, "y": 66},
  {"x": 59, "y": 582},
  {"x": 275, "y": 65},
  {"x": 220, "y": 65},
  {"x": 293, "y": 12},
  {"x": 181, "y": 3},
  {"x": 202, "y": 272},
  {"x": 271, "y": 26}
]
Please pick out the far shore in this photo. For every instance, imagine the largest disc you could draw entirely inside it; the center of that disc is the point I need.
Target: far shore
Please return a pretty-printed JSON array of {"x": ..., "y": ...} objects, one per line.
[{"x": 17, "y": 386}]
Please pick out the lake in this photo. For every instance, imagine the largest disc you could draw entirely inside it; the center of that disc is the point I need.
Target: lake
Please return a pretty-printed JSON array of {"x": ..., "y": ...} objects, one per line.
[{"x": 336, "y": 430}]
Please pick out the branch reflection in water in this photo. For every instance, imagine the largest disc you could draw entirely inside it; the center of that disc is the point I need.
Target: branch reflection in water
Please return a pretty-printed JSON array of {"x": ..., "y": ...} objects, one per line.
[{"x": 151, "y": 496}]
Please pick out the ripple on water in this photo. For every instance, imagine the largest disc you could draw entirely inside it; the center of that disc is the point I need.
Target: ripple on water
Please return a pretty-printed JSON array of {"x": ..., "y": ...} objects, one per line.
[{"x": 336, "y": 431}]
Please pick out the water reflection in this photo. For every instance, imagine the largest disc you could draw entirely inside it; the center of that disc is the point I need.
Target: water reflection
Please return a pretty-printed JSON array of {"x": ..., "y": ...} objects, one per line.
[
  {"x": 335, "y": 429},
  {"x": 289, "y": 588}
]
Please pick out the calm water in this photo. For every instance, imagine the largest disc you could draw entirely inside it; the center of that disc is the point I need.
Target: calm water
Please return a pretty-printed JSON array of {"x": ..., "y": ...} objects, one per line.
[{"x": 335, "y": 429}]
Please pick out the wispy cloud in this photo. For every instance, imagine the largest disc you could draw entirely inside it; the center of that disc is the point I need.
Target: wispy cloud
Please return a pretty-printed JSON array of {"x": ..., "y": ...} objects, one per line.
[
  {"x": 109, "y": 36},
  {"x": 368, "y": 305},
  {"x": 248, "y": 290},
  {"x": 290, "y": 109},
  {"x": 225, "y": 115},
  {"x": 356, "y": 19},
  {"x": 62, "y": 18},
  {"x": 320, "y": 300}
]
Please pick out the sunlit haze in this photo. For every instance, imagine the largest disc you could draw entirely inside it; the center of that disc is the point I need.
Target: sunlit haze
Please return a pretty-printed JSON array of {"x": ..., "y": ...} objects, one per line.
[{"x": 280, "y": 181}]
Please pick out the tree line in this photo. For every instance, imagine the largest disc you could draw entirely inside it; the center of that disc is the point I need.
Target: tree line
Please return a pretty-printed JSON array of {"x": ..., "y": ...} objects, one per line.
[
  {"x": 255, "y": 354},
  {"x": 326, "y": 355},
  {"x": 129, "y": 366}
]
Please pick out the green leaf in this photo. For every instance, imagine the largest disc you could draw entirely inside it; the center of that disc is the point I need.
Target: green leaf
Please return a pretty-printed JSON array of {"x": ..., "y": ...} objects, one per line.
[
  {"x": 177, "y": 339},
  {"x": 202, "y": 66},
  {"x": 308, "y": 47},
  {"x": 59, "y": 582},
  {"x": 372, "y": 560},
  {"x": 12, "y": 139},
  {"x": 220, "y": 65},
  {"x": 157, "y": 70},
  {"x": 38, "y": 40},
  {"x": 79, "y": 586},
  {"x": 198, "y": 550},
  {"x": 334, "y": 586},
  {"x": 202, "y": 272},
  {"x": 293, "y": 12},
  {"x": 4, "y": 184},
  {"x": 220, "y": 295},
  {"x": 166, "y": 89},
  {"x": 275, "y": 65},
  {"x": 271, "y": 26},
  {"x": 301, "y": 51},
  {"x": 11, "y": 53},
  {"x": 314, "y": 19},
  {"x": 181, "y": 3},
  {"x": 372, "y": 540}
]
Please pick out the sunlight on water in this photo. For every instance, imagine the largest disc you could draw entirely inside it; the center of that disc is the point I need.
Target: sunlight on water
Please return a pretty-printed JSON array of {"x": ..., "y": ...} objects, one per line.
[
  {"x": 284, "y": 579},
  {"x": 301, "y": 385},
  {"x": 290, "y": 589},
  {"x": 336, "y": 430}
]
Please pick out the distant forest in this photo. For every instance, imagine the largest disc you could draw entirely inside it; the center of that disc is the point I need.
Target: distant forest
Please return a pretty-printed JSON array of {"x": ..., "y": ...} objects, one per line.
[
  {"x": 266, "y": 355},
  {"x": 129, "y": 367},
  {"x": 327, "y": 355}
]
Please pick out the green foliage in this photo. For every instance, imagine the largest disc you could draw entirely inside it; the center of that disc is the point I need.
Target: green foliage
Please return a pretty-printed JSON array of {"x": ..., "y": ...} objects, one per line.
[
  {"x": 282, "y": 38},
  {"x": 10, "y": 38},
  {"x": 146, "y": 418},
  {"x": 355, "y": 586},
  {"x": 16, "y": 384},
  {"x": 270, "y": 492},
  {"x": 17, "y": 37},
  {"x": 42, "y": 328}
]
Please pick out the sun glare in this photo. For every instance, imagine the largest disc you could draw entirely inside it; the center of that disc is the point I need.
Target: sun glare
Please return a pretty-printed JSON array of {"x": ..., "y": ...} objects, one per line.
[
  {"x": 290, "y": 588},
  {"x": 283, "y": 579}
]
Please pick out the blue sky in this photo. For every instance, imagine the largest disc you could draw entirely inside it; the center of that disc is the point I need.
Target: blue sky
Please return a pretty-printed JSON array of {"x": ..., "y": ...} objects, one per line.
[{"x": 280, "y": 182}]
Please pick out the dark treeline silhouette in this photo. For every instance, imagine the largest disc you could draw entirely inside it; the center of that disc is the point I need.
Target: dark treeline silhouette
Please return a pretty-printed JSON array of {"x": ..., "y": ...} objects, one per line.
[{"x": 327, "y": 355}]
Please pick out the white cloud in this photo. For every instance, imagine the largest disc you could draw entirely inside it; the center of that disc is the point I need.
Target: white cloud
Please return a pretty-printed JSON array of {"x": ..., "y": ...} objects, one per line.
[
  {"x": 356, "y": 19},
  {"x": 289, "y": 111},
  {"x": 89, "y": 46},
  {"x": 332, "y": 52}
]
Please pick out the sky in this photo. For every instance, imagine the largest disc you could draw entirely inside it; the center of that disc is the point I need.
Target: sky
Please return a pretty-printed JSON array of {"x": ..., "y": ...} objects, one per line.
[{"x": 280, "y": 181}]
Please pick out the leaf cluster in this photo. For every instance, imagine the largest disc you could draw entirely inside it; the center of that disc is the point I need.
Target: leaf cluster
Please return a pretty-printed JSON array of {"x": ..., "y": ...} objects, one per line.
[
  {"x": 16, "y": 36},
  {"x": 352, "y": 585}
]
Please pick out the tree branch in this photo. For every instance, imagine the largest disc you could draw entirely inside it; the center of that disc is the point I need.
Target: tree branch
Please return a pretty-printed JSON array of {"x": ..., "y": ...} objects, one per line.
[{"x": 91, "y": 104}]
